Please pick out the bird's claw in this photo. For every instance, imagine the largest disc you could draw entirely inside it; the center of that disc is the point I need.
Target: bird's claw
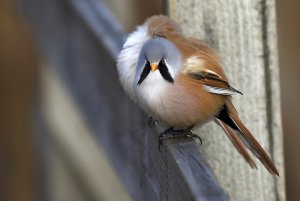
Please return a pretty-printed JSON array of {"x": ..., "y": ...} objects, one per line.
[
  {"x": 163, "y": 136},
  {"x": 170, "y": 133},
  {"x": 194, "y": 136}
]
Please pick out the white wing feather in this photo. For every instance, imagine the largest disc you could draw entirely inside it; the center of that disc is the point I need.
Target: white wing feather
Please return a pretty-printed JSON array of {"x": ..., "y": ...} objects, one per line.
[{"x": 218, "y": 90}]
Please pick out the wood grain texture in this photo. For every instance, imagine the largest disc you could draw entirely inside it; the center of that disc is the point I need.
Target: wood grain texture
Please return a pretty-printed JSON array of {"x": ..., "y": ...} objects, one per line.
[
  {"x": 80, "y": 40},
  {"x": 244, "y": 33}
]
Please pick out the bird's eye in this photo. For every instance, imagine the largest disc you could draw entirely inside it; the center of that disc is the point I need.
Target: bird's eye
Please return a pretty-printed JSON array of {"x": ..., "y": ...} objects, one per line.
[
  {"x": 164, "y": 71},
  {"x": 162, "y": 62},
  {"x": 145, "y": 72},
  {"x": 147, "y": 63}
]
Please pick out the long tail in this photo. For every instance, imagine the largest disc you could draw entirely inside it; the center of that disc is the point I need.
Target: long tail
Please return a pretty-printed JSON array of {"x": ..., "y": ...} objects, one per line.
[{"x": 241, "y": 137}]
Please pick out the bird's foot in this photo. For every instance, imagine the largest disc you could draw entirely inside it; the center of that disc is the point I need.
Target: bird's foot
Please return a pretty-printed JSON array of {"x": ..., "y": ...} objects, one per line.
[
  {"x": 171, "y": 133},
  {"x": 152, "y": 122},
  {"x": 194, "y": 136}
]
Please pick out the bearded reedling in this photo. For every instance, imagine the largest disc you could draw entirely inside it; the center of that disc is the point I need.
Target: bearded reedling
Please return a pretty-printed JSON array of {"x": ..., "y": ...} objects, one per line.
[{"x": 179, "y": 81}]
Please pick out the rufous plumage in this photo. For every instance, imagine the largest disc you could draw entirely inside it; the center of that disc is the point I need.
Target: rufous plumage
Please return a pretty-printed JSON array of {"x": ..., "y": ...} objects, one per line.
[{"x": 179, "y": 81}]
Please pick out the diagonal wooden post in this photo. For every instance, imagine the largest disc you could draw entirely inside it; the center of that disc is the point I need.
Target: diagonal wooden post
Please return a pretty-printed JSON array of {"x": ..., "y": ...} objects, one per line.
[{"x": 244, "y": 33}]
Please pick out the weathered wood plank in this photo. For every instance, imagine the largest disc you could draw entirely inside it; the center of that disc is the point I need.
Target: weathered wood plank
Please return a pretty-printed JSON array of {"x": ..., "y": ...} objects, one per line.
[
  {"x": 75, "y": 41},
  {"x": 74, "y": 145},
  {"x": 244, "y": 32}
]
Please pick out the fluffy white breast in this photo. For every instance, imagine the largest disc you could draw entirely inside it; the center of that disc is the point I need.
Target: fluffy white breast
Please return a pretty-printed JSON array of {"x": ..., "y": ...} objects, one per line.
[
  {"x": 128, "y": 57},
  {"x": 150, "y": 91}
]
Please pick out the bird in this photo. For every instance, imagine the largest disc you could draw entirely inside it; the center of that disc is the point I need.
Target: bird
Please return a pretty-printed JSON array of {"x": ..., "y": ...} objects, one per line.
[{"x": 179, "y": 81}]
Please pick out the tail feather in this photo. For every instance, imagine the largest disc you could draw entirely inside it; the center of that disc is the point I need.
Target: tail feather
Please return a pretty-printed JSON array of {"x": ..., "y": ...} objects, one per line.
[
  {"x": 229, "y": 117},
  {"x": 237, "y": 143}
]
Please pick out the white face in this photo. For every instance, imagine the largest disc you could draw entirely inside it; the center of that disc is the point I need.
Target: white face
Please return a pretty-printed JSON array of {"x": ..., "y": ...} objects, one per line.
[
  {"x": 158, "y": 64},
  {"x": 158, "y": 55}
]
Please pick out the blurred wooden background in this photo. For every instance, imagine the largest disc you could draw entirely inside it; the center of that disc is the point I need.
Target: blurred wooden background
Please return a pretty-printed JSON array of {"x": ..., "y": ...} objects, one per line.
[
  {"x": 18, "y": 70},
  {"x": 18, "y": 67},
  {"x": 288, "y": 17}
]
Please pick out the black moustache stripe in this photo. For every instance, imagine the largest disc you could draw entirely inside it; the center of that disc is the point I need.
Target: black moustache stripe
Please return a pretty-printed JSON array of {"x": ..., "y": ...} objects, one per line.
[
  {"x": 145, "y": 73},
  {"x": 164, "y": 71}
]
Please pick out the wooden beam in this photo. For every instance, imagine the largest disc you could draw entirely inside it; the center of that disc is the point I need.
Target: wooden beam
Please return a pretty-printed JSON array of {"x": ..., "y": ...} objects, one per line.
[
  {"x": 71, "y": 140},
  {"x": 244, "y": 33}
]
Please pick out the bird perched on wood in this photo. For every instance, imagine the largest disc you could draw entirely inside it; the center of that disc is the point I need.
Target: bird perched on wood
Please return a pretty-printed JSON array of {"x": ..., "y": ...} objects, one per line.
[{"x": 179, "y": 81}]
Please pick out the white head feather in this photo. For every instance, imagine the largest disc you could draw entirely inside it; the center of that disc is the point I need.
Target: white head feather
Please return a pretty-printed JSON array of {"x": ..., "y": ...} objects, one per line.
[{"x": 128, "y": 57}]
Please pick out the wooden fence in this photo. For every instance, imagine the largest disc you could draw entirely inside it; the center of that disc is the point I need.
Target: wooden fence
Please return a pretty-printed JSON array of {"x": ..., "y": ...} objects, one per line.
[{"x": 88, "y": 117}]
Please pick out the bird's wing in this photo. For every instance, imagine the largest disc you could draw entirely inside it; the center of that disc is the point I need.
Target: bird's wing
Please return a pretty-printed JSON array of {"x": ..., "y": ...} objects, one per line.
[
  {"x": 214, "y": 83},
  {"x": 204, "y": 68}
]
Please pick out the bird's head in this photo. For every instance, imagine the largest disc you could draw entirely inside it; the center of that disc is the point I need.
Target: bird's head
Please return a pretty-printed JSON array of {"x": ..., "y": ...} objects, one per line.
[{"x": 159, "y": 59}]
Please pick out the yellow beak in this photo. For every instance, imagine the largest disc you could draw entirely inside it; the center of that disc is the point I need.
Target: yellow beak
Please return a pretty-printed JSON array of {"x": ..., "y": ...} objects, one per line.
[{"x": 154, "y": 67}]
